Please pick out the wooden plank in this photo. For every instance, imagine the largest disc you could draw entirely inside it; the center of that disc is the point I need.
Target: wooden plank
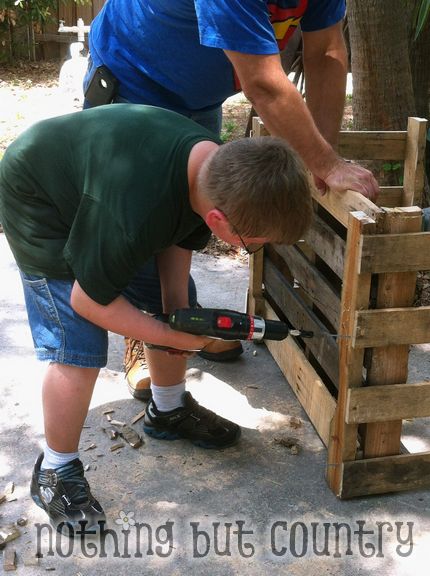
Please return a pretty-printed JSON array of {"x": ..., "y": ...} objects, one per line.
[
  {"x": 355, "y": 295},
  {"x": 258, "y": 128},
  {"x": 372, "y": 145},
  {"x": 389, "y": 364},
  {"x": 67, "y": 12},
  {"x": 390, "y": 196},
  {"x": 340, "y": 204},
  {"x": 9, "y": 559},
  {"x": 85, "y": 12},
  {"x": 389, "y": 402},
  {"x": 255, "y": 292},
  {"x": 386, "y": 474},
  {"x": 312, "y": 282},
  {"x": 324, "y": 348},
  {"x": 255, "y": 300},
  {"x": 327, "y": 244},
  {"x": 316, "y": 400},
  {"x": 414, "y": 170},
  {"x": 392, "y": 327},
  {"x": 395, "y": 253},
  {"x": 97, "y": 6},
  {"x": 60, "y": 38}
]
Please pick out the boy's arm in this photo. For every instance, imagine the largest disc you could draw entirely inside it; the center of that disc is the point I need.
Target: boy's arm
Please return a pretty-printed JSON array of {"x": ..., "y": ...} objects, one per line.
[
  {"x": 174, "y": 266},
  {"x": 123, "y": 318}
]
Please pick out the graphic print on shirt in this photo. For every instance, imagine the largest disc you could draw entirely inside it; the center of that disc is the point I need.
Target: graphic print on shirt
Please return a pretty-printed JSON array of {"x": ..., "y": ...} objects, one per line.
[{"x": 285, "y": 16}]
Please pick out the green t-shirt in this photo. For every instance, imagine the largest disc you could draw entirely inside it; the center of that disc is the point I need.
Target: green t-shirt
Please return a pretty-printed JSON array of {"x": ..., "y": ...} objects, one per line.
[{"x": 93, "y": 195}]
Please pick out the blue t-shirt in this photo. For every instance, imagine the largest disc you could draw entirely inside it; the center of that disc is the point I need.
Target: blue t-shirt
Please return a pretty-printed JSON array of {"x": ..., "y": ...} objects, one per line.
[{"x": 170, "y": 53}]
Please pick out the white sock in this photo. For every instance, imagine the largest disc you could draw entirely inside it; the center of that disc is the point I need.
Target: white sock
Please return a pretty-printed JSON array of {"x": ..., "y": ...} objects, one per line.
[
  {"x": 52, "y": 459},
  {"x": 168, "y": 398}
]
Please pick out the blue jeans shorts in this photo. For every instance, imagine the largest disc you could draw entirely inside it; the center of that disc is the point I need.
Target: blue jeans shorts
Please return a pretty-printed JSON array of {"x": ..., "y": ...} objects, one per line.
[
  {"x": 59, "y": 333},
  {"x": 63, "y": 336}
]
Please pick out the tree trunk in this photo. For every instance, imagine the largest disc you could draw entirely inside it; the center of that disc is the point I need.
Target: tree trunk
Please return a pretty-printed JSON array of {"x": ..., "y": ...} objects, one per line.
[
  {"x": 419, "y": 55},
  {"x": 383, "y": 89}
]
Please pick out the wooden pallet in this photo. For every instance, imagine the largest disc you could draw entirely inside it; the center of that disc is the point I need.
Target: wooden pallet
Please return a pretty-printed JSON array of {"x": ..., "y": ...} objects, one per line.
[{"x": 355, "y": 275}]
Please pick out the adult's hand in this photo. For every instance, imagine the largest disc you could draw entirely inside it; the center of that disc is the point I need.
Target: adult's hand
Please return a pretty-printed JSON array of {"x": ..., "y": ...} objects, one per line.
[{"x": 346, "y": 175}]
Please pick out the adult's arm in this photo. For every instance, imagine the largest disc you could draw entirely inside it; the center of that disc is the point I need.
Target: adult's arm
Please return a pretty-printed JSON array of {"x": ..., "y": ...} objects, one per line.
[
  {"x": 325, "y": 62},
  {"x": 285, "y": 114}
]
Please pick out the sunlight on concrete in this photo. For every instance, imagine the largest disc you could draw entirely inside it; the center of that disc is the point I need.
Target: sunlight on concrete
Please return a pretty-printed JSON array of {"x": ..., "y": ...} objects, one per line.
[{"x": 223, "y": 399}]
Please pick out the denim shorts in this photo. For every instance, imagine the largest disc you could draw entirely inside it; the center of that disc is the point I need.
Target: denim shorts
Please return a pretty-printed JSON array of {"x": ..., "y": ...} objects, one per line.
[
  {"x": 59, "y": 333},
  {"x": 63, "y": 336}
]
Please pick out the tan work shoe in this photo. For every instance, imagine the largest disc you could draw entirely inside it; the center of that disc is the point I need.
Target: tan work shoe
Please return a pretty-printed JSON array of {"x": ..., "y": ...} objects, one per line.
[
  {"x": 221, "y": 350},
  {"x": 136, "y": 370}
]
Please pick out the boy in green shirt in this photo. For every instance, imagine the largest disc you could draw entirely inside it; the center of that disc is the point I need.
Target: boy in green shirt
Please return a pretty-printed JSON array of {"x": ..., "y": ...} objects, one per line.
[{"x": 86, "y": 199}]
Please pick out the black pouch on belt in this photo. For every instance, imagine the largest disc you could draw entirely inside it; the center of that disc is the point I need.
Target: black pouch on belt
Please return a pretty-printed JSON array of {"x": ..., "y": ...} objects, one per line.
[{"x": 102, "y": 88}]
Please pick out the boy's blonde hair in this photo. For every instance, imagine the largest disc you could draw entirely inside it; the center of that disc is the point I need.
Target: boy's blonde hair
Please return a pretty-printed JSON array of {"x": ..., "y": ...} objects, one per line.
[{"x": 262, "y": 187}]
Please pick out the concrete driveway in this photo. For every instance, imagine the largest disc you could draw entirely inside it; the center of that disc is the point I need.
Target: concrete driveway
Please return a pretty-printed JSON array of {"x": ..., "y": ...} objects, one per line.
[{"x": 257, "y": 508}]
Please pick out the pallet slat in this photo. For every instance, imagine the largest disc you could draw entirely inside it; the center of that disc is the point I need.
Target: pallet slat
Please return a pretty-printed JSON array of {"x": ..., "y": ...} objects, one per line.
[
  {"x": 312, "y": 281},
  {"x": 343, "y": 436},
  {"x": 395, "y": 253},
  {"x": 371, "y": 145},
  {"x": 327, "y": 244},
  {"x": 313, "y": 395},
  {"x": 389, "y": 363},
  {"x": 255, "y": 298},
  {"x": 341, "y": 204},
  {"x": 386, "y": 474},
  {"x": 414, "y": 172},
  {"x": 388, "y": 402},
  {"x": 392, "y": 327},
  {"x": 390, "y": 196},
  {"x": 324, "y": 348}
]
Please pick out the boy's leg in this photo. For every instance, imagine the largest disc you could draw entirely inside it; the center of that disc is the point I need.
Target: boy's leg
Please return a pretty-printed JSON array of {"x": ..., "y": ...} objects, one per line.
[
  {"x": 66, "y": 396},
  {"x": 184, "y": 417},
  {"x": 58, "y": 484},
  {"x": 76, "y": 350}
]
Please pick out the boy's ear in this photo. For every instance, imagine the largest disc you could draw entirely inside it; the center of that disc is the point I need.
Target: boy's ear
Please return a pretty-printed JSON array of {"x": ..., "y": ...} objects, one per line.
[{"x": 217, "y": 221}]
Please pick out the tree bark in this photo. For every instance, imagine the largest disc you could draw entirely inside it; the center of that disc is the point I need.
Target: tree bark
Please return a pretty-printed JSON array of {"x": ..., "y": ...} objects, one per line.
[
  {"x": 419, "y": 57},
  {"x": 383, "y": 89}
]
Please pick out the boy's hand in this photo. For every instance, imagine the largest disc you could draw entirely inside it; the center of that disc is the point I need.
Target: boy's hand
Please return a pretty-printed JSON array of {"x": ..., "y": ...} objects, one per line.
[{"x": 180, "y": 343}]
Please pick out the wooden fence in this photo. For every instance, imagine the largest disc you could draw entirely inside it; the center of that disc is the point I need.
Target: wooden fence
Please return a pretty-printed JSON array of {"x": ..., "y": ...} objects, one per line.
[{"x": 52, "y": 44}]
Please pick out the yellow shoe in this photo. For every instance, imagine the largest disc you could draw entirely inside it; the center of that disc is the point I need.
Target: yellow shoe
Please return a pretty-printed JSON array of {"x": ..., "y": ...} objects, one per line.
[
  {"x": 222, "y": 350},
  {"x": 136, "y": 370}
]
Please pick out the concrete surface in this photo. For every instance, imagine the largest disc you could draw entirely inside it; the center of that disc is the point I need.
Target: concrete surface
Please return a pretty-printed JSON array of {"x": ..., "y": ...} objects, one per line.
[{"x": 250, "y": 510}]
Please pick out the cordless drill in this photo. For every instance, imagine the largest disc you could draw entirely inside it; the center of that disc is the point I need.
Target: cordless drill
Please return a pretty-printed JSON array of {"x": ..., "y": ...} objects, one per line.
[{"x": 228, "y": 325}]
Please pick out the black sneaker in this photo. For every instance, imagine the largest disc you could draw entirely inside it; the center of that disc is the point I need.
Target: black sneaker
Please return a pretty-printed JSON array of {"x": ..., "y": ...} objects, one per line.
[
  {"x": 202, "y": 426},
  {"x": 65, "y": 496}
]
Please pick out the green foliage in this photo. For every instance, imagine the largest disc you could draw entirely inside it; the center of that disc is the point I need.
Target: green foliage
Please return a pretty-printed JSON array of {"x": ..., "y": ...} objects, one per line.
[
  {"x": 17, "y": 12},
  {"x": 394, "y": 168},
  {"x": 421, "y": 17},
  {"x": 228, "y": 130},
  {"x": 20, "y": 19}
]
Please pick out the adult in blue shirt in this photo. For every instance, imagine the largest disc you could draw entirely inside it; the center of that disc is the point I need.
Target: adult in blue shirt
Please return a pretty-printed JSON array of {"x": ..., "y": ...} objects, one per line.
[{"x": 190, "y": 55}]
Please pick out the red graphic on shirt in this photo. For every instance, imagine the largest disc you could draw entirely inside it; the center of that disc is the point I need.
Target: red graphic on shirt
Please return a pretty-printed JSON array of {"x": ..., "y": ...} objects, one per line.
[{"x": 285, "y": 19}]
